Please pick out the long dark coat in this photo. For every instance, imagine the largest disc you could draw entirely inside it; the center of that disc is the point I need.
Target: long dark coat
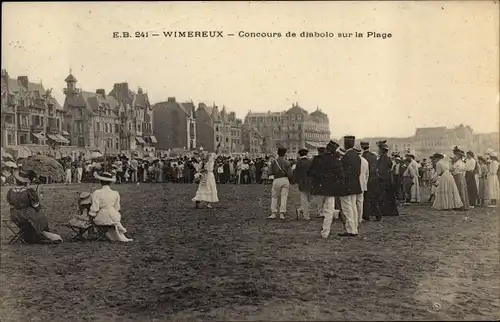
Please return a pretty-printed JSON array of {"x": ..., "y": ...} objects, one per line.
[
  {"x": 351, "y": 165},
  {"x": 326, "y": 176},
  {"x": 301, "y": 174}
]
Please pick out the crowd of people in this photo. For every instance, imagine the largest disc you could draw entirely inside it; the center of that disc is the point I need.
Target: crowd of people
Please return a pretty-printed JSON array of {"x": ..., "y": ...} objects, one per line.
[{"x": 349, "y": 183}]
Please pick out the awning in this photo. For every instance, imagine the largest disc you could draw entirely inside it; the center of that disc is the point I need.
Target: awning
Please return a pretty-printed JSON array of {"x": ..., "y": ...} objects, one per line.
[
  {"x": 153, "y": 139},
  {"x": 62, "y": 139},
  {"x": 140, "y": 140},
  {"x": 39, "y": 136},
  {"x": 53, "y": 137},
  {"x": 65, "y": 133}
]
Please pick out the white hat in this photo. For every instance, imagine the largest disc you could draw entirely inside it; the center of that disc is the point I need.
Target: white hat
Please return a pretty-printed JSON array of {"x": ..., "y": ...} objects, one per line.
[{"x": 105, "y": 176}]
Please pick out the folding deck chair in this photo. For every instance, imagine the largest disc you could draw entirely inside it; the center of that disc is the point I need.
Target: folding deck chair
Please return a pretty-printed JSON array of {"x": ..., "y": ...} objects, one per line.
[{"x": 15, "y": 231}]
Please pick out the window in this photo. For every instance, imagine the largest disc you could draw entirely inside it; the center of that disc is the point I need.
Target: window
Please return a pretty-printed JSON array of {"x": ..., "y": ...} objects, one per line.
[
  {"x": 216, "y": 129},
  {"x": 117, "y": 144},
  {"x": 117, "y": 128},
  {"x": 97, "y": 126},
  {"x": 81, "y": 142},
  {"x": 9, "y": 139},
  {"x": 217, "y": 139},
  {"x": 227, "y": 139}
]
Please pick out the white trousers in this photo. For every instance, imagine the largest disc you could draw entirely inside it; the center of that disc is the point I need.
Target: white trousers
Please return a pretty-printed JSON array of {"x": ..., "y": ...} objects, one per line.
[
  {"x": 305, "y": 203},
  {"x": 359, "y": 206},
  {"x": 279, "y": 191},
  {"x": 350, "y": 211},
  {"x": 79, "y": 173},
  {"x": 68, "y": 176},
  {"x": 329, "y": 212}
]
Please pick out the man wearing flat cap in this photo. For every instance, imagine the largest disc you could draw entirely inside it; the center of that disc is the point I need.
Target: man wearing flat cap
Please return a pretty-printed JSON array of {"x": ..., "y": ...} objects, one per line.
[
  {"x": 370, "y": 204},
  {"x": 326, "y": 184},
  {"x": 304, "y": 183},
  {"x": 281, "y": 169},
  {"x": 351, "y": 166}
]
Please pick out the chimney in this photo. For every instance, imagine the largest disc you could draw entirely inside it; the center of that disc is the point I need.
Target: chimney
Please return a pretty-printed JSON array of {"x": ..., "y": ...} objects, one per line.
[
  {"x": 201, "y": 105},
  {"x": 101, "y": 92},
  {"x": 23, "y": 80}
]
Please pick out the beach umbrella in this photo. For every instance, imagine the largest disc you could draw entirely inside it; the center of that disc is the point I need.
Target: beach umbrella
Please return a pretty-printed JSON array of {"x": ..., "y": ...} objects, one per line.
[{"x": 45, "y": 166}]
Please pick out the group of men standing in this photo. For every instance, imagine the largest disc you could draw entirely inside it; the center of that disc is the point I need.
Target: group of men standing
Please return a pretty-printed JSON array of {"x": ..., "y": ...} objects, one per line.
[{"x": 349, "y": 183}]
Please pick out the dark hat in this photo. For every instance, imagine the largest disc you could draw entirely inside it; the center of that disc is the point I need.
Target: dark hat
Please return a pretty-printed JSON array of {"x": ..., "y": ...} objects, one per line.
[
  {"x": 437, "y": 156},
  {"x": 282, "y": 150},
  {"x": 303, "y": 152},
  {"x": 470, "y": 153},
  {"x": 382, "y": 145},
  {"x": 321, "y": 149},
  {"x": 349, "y": 140},
  {"x": 458, "y": 151},
  {"x": 364, "y": 144},
  {"x": 23, "y": 176},
  {"x": 382, "y": 142},
  {"x": 332, "y": 146},
  {"x": 481, "y": 158}
]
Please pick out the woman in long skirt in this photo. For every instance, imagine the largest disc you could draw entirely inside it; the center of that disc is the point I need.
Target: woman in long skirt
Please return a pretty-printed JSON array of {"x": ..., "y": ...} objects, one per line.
[
  {"x": 492, "y": 182},
  {"x": 458, "y": 171},
  {"x": 483, "y": 179},
  {"x": 207, "y": 188},
  {"x": 447, "y": 196},
  {"x": 470, "y": 178}
]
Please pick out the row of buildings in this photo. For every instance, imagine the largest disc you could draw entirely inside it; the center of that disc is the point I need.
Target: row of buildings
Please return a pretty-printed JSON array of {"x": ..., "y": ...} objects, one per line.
[{"x": 124, "y": 121}]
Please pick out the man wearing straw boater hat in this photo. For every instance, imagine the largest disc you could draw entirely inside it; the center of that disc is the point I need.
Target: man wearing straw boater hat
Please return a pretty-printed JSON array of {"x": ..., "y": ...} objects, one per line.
[{"x": 351, "y": 165}]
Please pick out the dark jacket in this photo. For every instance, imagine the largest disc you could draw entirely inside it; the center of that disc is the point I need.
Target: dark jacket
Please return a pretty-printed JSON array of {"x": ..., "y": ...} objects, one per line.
[
  {"x": 301, "y": 176},
  {"x": 351, "y": 165},
  {"x": 326, "y": 176},
  {"x": 280, "y": 168},
  {"x": 384, "y": 167},
  {"x": 372, "y": 163}
]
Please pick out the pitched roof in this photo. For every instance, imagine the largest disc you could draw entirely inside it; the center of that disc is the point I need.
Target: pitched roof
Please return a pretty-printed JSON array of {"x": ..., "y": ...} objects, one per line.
[
  {"x": 187, "y": 107},
  {"x": 70, "y": 78},
  {"x": 318, "y": 114},
  {"x": 92, "y": 101},
  {"x": 296, "y": 109}
]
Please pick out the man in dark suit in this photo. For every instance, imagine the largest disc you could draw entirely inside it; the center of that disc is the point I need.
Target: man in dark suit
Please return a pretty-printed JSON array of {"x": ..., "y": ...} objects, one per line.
[
  {"x": 386, "y": 189},
  {"x": 370, "y": 207},
  {"x": 326, "y": 183},
  {"x": 317, "y": 201},
  {"x": 351, "y": 165},
  {"x": 304, "y": 182}
]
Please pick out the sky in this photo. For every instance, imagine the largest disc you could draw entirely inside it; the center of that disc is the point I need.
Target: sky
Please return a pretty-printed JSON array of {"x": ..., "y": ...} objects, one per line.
[{"x": 439, "y": 68}]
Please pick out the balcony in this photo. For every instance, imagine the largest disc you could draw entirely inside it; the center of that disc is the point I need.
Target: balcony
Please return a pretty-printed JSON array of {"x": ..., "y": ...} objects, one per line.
[
  {"x": 9, "y": 126},
  {"x": 23, "y": 110},
  {"x": 23, "y": 127},
  {"x": 9, "y": 110},
  {"x": 36, "y": 128}
]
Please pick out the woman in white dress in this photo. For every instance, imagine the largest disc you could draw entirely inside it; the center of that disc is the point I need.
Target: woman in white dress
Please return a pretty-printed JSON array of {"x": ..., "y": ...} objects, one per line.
[
  {"x": 447, "y": 196},
  {"x": 106, "y": 206},
  {"x": 492, "y": 193},
  {"x": 207, "y": 188}
]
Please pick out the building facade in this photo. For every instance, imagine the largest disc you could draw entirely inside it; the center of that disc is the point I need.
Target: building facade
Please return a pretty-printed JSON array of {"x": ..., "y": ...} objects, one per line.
[
  {"x": 293, "y": 129},
  {"x": 174, "y": 125},
  {"x": 111, "y": 123},
  {"x": 429, "y": 140},
  {"x": 31, "y": 117}
]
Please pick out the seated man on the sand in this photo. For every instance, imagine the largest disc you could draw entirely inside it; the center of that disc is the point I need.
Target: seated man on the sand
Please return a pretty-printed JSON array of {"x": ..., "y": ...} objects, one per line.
[
  {"x": 106, "y": 206},
  {"x": 26, "y": 211}
]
